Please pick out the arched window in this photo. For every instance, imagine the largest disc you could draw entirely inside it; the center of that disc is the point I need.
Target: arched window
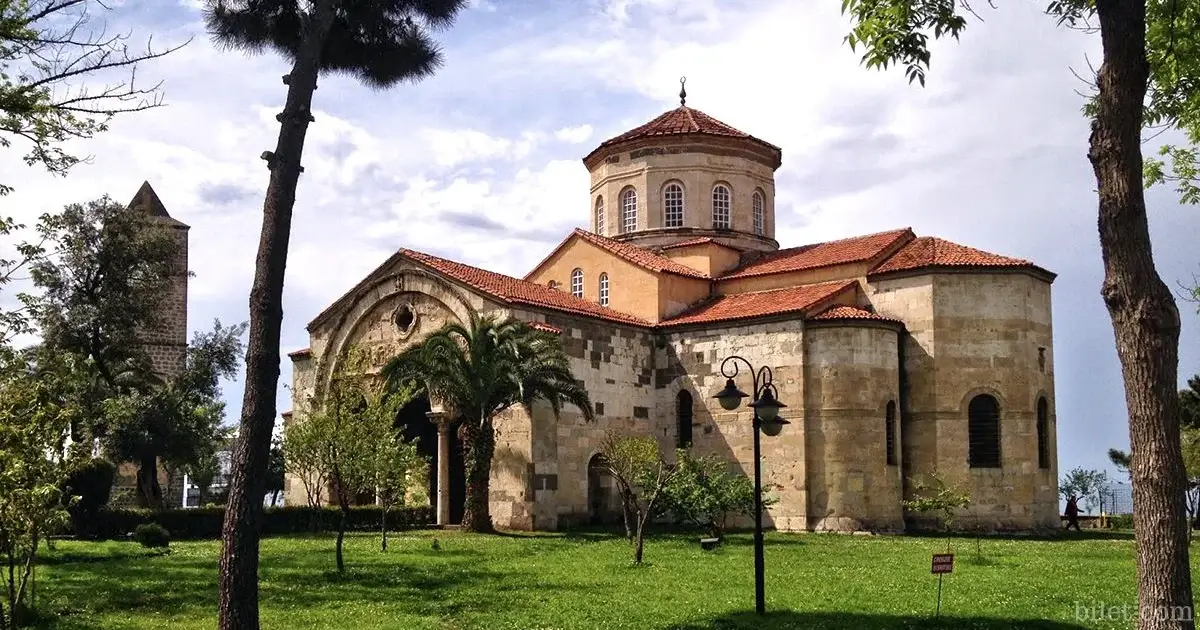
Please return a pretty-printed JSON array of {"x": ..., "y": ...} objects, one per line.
[
  {"x": 760, "y": 224},
  {"x": 673, "y": 205},
  {"x": 983, "y": 432},
  {"x": 721, "y": 207},
  {"x": 600, "y": 215},
  {"x": 577, "y": 283},
  {"x": 628, "y": 210},
  {"x": 683, "y": 416},
  {"x": 603, "y": 289},
  {"x": 889, "y": 426},
  {"x": 1043, "y": 433}
]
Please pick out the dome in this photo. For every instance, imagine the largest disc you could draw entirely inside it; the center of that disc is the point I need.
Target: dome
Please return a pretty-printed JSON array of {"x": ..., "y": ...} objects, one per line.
[{"x": 681, "y": 176}]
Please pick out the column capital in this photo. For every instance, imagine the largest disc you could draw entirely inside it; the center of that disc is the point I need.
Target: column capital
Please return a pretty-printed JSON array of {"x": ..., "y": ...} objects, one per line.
[{"x": 440, "y": 418}]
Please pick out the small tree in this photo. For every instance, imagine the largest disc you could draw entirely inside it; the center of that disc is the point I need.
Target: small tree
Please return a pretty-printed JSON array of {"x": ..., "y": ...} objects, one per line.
[
  {"x": 1191, "y": 462},
  {"x": 1086, "y": 484},
  {"x": 397, "y": 467},
  {"x": 353, "y": 415},
  {"x": 933, "y": 495},
  {"x": 642, "y": 476},
  {"x": 304, "y": 446},
  {"x": 704, "y": 492},
  {"x": 34, "y": 463},
  {"x": 91, "y": 481}
]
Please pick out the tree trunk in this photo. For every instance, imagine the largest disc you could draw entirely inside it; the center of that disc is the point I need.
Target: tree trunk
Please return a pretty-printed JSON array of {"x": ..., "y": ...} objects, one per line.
[
  {"x": 148, "y": 487},
  {"x": 383, "y": 527},
  {"x": 639, "y": 540},
  {"x": 238, "y": 576},
  {"x": 1145, "y": 320},
  {"x": 344, "y": 505},
  {"x": 479, "y": 445}
]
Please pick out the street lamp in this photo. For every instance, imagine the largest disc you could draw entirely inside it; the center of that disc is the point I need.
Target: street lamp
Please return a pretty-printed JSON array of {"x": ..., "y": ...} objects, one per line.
[{"x": 766, "y": 408}]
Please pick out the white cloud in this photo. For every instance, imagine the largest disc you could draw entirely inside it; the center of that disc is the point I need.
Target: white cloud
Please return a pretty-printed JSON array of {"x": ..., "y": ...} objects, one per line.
[{"x": 574, "y": 135}]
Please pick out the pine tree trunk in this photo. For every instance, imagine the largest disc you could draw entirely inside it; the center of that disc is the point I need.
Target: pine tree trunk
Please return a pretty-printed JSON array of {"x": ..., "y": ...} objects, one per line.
[
  {"x": 479, "y": 445},
  {"x": 1145, "y": 321},
  {"x": 238, "y": 577}
]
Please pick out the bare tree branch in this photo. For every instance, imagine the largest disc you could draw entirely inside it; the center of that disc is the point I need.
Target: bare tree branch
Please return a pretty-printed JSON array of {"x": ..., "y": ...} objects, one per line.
[{"x": 57, "y": 63}]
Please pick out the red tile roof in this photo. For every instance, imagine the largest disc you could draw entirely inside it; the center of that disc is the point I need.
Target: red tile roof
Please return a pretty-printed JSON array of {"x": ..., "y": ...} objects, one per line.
[
  {"x": 760, "y": 303},
  {"x": 546, "y": 327},
  {"x": 680, "y": 121},
  {"x": 514, "y": 291},
  {"x": 640, "y": 257},
  {"x": 852, "y": 312},
  {"x": 848, "y": 250},
  {"x": 929, "y": 251},
  {"x": 302, "y": 352}
]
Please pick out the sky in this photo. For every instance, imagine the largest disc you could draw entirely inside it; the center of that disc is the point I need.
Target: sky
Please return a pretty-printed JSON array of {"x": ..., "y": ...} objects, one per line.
[{"x": 482, "y": 163}]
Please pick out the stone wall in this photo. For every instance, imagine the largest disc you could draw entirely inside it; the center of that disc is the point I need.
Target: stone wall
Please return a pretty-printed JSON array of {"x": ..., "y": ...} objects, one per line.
[
  {"x": 166, "y": 343},
  {"x": 851, "y": 373},
  {"x": 971, "y": 334},
  {"x": 691, "y": 360}
]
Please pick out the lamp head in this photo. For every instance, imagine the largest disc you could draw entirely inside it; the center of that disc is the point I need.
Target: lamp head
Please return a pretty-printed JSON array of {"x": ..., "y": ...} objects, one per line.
[{"x": 731, "y": 396}]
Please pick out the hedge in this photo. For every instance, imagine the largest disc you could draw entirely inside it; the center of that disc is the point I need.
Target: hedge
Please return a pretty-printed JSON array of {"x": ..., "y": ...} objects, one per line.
[{"x": 205, "y": 523}]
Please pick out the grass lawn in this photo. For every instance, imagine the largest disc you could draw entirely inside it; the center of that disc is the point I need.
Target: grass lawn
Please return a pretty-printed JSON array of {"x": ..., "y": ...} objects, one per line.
[{"x": 586, "y": 582}]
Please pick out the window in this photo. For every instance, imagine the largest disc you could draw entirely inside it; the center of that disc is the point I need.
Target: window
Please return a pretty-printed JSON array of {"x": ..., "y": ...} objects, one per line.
[
  {"x": 603, "y": 289},
  {"x": 600, "y": 215},
  {"x": 577, "y": 283},
  {"x": 1043, "y": 433},
  {"x": 720, "y": 207},
  {"x": 983, "y": 432},
  {"x": 553, "y": 284},
  {"x": 628, "y": 210},
  {"x": 673, "y": 205},
  {"x": 760, "y": 226},
  {"x": 683, "y": 416},
  {"x": 889, "y": 426}
]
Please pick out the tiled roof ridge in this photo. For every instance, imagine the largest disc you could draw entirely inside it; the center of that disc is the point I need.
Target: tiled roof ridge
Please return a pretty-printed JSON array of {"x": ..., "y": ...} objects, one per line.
[
  {"x": 842, "y": 311},
  {"x": 702, "y": 240},
  {"x": 768, "y": 261},
  {"x": 640, "y": 256},
  {"x": 542, "y": 296},
  {"x": 710, "y": 310},
  {"x": 935, "y": 252}
]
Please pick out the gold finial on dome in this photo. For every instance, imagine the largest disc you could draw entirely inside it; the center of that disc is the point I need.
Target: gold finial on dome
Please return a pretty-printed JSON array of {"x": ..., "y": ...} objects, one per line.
[{"x": 682, "y": 92}]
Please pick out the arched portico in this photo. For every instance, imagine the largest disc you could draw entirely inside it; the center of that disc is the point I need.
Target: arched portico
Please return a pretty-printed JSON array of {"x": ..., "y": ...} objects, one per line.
[{"x": 430, "y": 425}]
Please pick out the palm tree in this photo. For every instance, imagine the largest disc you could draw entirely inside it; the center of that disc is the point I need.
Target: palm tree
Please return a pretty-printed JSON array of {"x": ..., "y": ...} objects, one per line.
[
  {"x": 480, "y": 370},
  {"x": 382, "y": 43}
]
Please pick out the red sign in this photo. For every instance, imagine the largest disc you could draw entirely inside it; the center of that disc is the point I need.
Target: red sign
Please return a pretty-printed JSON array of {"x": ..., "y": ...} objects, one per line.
[{"x": 943, "y": 563}]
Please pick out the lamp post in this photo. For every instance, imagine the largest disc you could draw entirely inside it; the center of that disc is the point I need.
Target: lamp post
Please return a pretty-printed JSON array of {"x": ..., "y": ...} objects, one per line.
[{"x": 766, "y": 406}]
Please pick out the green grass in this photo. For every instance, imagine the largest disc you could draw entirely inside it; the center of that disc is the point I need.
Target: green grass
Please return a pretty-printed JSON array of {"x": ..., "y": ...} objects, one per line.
[{"x": 586, "y": 582}]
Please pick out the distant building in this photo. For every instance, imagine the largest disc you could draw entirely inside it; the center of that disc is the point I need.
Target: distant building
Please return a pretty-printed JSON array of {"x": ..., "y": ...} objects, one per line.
[{"x": 898, "y": 355}]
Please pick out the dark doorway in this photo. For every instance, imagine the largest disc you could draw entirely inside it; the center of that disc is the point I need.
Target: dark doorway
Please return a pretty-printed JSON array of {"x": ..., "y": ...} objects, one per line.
[{"x": 416, "y": 425}]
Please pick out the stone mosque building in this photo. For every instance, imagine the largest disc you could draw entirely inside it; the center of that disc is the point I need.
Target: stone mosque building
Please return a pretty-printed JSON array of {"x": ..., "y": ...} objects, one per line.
[{"x": 897, "y": 355}]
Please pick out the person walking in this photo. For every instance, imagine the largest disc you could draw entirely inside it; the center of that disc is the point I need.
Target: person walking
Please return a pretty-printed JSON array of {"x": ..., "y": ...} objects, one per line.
[{"x": 1072, "y": 512}]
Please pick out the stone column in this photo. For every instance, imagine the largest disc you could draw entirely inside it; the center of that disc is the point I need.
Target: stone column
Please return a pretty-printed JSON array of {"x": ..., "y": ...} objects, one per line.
[{"x": 443, "y": 465}]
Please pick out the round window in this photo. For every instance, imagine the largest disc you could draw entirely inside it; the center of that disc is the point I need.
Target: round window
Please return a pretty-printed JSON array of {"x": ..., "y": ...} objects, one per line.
[{"x": 404, "y": 318}]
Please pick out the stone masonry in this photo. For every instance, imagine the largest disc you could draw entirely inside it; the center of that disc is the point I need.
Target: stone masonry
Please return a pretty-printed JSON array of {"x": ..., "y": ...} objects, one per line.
[{"x": 877, "y": 345}]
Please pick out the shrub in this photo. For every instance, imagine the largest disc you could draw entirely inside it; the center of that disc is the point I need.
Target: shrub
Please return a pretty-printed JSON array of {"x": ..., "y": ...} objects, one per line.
[
  {"x": 92, "y": 483},
  {"x": 1120, "y": 521},
  {"x": 152, "y": 535},
  {"x": 205, "y": 523}
]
